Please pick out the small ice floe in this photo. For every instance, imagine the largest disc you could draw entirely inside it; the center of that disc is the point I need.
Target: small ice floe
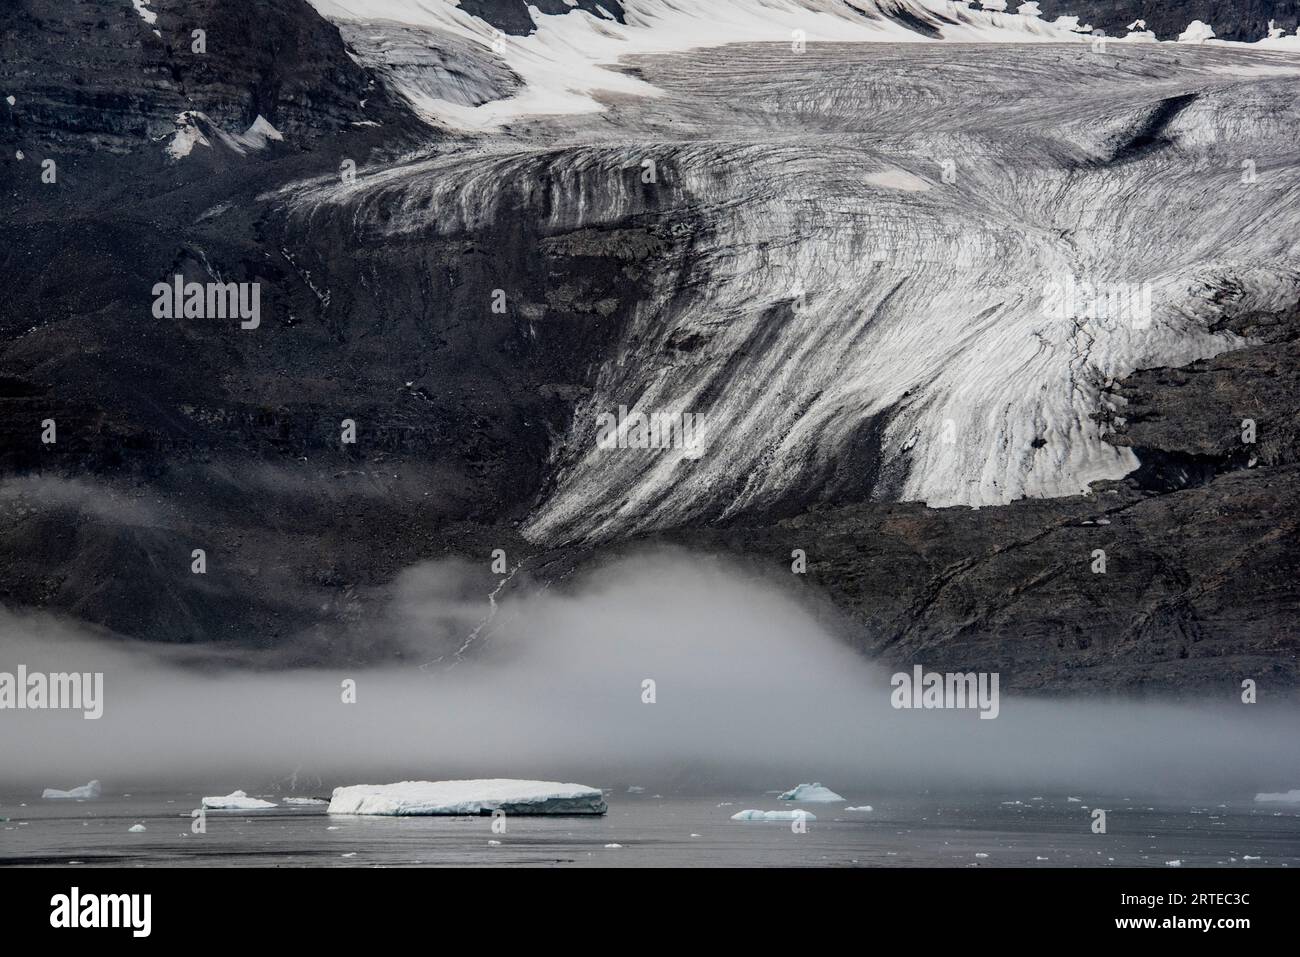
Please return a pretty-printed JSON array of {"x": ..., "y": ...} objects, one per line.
[
  {"x": 980, "y": 854},
  {"x": 1173, "y": 863},
  {"x": 1283, "y": 797},
  {"x": 607, "y": 846},
  {"x": 861, "y": 807},
  {"x": 235, "y": 801},
  {"x": 87, "y": 792},
  {"x": 810, "y": 793},
  {"x": 1247, "y": 857},
  {"x": 1074, "y": 800},
  {"x": 305, "y": 801},
  {"x": 137, "y": 829},
  {"x": 349, "y": 854},
  {"x": 10, "y": 100},
  {"x": 635, "y": 789},
  {"x": 752, "y": 815},
  {"x": 494, "y": 843},
  {"x": 695, "y": 835},
  {"x": 481, "y": 796},
  {"x": 1039, "y": 858}
]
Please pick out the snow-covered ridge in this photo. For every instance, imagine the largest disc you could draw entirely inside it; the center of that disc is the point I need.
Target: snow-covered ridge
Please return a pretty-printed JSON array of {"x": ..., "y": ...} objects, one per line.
[
  {"x": 458, "y": 70},
  {"x": 568, "y": 64}
]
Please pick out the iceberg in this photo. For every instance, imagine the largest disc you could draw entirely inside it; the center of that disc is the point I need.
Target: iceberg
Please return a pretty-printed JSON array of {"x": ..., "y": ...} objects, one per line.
[
  {"x": 481, "y": 796},
  {"x": 752, "y": 815},
  {"x": 305, "y": 800},
  {"x": 235, "y": 801},
  {"x": 810, "y": 792},
  {"x": 863, "y": 807},
  {"x": 86, "y": 792},
  {"x": 1285, "y": 797}
]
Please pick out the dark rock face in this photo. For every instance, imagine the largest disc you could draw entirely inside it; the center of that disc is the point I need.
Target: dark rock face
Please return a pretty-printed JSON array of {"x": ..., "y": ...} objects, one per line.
[
  {"x": 183, "y": 434},
  {"x": 512, "y": 16},
  {"x": 97, "y": 76},
  {"x": 1232, "y": 19}
]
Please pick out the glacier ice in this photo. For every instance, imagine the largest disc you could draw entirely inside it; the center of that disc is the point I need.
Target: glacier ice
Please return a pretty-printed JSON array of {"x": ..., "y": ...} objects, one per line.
[
  {"x": 810, "y": 792},
  {"x": 85, "y": 792},
  {"x": 476, "y": 796},
  {"x": 870, "y": 237}
]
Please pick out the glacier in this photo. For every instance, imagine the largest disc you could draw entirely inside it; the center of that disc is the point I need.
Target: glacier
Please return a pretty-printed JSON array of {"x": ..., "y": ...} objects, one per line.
[{"x": 855, "y": 292}]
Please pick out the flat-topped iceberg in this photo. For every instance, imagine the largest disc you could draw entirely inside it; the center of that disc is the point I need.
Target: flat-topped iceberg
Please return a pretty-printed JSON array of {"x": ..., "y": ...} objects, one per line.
[
  {"x": 482, "y": 796},
  {"x": 1284, "y": 797},
  {"x": 235, "y": 801},
  {"x": 752, "y": 815},
  {"x": 810, "y": 792},
  {"x": 86, "y": 792}
]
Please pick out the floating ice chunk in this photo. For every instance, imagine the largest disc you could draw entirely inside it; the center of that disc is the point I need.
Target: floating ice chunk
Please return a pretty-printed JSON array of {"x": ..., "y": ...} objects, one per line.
[
  {"x": 10, "y": 100},
  {"x": 863, "y": 807},
  {"x": 1173, "y": 863},
  {"x": 1283, "y": 797},
  {"x": 468, "y": 797},
  {"x": 87, "y": 792},
  {"x": 1196, "y": 32},
  {"x": 137, "y": 828},
  {"x": 235, "y": 801},
  {"x": 752, "y": 815},
  {"x": 981, "y": 854},
  {"x": 298, "y": 801},
  {"x": 613, "y": 845},
  {"x": 1073, "y": 800},
  {"x": 810, "y": 792}
]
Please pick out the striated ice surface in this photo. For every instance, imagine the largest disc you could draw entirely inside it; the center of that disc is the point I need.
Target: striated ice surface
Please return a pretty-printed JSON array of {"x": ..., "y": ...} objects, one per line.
[
  {"x": 868, "y": 303},
  {"x": 481, "y": 796}
]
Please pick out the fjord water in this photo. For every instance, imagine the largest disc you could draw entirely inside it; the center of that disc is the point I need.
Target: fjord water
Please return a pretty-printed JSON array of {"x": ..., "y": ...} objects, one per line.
[{"x": 663, "y": 830}]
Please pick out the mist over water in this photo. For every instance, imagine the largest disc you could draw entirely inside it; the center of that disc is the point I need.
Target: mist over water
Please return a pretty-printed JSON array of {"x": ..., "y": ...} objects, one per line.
[{"x": 750, "y": 692}]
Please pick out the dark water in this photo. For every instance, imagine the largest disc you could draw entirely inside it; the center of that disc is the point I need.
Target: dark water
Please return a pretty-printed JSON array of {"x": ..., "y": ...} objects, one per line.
[{"x": 667, "y": 830}]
